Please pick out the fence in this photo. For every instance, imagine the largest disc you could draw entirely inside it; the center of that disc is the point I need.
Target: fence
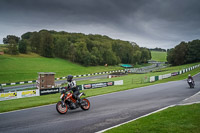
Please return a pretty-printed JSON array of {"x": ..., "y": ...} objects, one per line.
[
  {"x": 19, "y": 94},
  {"x": 37, "y": 92},
  {"x": 34, "y": 81},
  {"x": 160, "y": 77},
  {"x": 145, "y": 69}
]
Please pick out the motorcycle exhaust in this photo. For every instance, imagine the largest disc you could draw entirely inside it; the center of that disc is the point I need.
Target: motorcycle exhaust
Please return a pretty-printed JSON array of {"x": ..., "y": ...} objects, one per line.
[{"x": 81, "y": 94}]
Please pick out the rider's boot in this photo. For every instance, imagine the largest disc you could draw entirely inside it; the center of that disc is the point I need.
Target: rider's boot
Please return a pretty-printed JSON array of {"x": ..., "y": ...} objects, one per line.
[{"x": 79, "y": 100}]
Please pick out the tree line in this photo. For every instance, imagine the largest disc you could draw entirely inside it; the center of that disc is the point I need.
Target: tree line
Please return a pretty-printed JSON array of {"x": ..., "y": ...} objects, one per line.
[
  {"x": 184, "y": 53},
  {"x": 88, "y": 50},
  {"x": 158, "y": 49}
]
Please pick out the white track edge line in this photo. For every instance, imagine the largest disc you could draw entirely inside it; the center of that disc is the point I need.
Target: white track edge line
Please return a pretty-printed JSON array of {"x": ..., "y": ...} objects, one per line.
[
  {"x": 136, "y": 118},
  {"x": 192, "y": 96},
  {"x": 153, "y": 112},
  {"x": 147, "y": 115},
  {"x": 182, "y": 104}
]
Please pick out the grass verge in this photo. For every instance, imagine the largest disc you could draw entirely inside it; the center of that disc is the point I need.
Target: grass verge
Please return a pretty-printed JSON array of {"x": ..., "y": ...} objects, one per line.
[
  {"x": 159, "y": 56},
  {"x": 130, "y": 81},
  {"x": 13, "y": 70},
  {"x": 178, "y": 119}
]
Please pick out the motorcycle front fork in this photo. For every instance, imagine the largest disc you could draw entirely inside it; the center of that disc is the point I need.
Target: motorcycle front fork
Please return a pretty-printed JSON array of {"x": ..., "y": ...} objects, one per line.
[{"x": 63, "y": 103}]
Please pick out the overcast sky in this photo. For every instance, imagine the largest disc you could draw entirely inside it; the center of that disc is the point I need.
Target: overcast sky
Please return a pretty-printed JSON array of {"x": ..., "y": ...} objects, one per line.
[{"x": 149, "y": 23}]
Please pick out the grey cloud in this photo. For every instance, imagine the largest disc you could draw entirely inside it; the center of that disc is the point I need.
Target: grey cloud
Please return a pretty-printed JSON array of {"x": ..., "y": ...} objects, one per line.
[{"x": 143, "y": 21}]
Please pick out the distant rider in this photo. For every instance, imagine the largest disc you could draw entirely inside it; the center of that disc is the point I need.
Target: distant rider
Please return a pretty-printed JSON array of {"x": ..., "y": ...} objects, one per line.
[
  {"x": 190, "y": 77},
  {"x": 72, "y": 86}
]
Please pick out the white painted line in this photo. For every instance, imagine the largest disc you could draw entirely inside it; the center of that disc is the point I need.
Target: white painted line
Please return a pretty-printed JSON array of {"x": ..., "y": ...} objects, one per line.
[
  {"x": 135, "y": 119},
  {"x": 192, "y": 96},
  {"x": 151, "y": 112},
  {"x": 188, "y": 103}
]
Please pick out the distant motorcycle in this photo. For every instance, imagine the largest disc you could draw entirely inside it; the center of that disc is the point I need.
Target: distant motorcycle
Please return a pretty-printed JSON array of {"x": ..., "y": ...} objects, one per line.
[
  {"x": 68, "y": 102},
  {"x": 191, "y": 83}
]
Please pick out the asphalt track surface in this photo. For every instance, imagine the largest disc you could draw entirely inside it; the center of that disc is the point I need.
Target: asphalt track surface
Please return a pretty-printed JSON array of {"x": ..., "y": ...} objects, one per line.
[{"x": 106, "y": 110}]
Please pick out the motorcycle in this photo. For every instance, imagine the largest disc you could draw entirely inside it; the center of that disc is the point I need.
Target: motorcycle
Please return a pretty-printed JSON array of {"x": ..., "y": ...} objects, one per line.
[
  {"x": 68, "y": 102},
  {"x": 191, "y": 83}
]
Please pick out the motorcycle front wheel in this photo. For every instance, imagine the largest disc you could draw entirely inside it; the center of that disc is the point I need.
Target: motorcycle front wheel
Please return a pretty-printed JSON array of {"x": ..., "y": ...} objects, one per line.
[
  {"x": 62, "y": 109},
  {"x": 85, "y": 105}
]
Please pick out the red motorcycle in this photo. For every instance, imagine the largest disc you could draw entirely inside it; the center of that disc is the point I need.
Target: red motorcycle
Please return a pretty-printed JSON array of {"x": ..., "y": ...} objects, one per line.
[{"x": 68, "y": 102}]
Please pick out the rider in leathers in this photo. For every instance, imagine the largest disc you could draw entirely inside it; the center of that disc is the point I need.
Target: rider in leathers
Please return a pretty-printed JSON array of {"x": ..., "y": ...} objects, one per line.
[
  {"x": 72, "y": 86},
  {"x": 190, "y": 77}
]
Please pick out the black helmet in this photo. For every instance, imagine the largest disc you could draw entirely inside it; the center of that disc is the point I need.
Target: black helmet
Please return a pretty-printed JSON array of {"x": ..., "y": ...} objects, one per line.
[{"x": 69, "y": 78}]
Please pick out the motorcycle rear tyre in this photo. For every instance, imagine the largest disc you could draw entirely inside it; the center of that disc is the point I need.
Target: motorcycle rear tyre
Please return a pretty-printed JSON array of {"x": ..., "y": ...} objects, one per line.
[{"x": 88, "y": 105}]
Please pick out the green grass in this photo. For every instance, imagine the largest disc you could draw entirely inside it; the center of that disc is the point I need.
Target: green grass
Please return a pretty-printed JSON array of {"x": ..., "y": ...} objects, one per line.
[
  {"x": 178, "y": 119},
  {"x": 2, "y": 47},
  {"x": 159, "y": 56},
  {"x": 142, "y": 65},
  {"x": 25, "y": 67},
  {"x": 130, "y": 81}
]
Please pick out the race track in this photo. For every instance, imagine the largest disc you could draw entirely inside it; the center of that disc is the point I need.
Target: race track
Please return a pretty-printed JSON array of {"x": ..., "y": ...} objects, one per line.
[{"x": 106, "y": 110}]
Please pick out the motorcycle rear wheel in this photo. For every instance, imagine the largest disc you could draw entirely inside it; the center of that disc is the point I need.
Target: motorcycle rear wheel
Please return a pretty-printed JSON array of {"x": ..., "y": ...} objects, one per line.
[
  {"x": 87, "y": 104},
  {"x": 61, "y": 109}
]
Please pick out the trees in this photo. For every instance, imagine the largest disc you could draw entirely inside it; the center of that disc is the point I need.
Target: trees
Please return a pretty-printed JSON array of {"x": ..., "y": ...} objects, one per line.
[
  {"x": 23, "y": 46},
  {"x": 61, "y": 47},
  {"x": 158, "y": 49},
  {"x": 80, "y": 48},
  {"x": 26, "y": 35},
  {"x": 170, "y": 56},
  {"x": 180, "y": 53},
  {"x": 10, "y": 39},
  {"x": 184, "y": 53},
  {"x": 12, "y": 42},
  {"x": 35, "y": 40},
  {"x": 46, "y": 44},
  {"x": 177, "y": 55},
  {"x": 145, "y": 55},
  {"x": 193, "y": 53}
]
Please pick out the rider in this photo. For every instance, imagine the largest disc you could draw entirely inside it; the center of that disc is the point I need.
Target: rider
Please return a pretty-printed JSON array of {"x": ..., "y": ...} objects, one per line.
[
  {"x": 190, "y": 77},
  {"x": 72, "y": 86}
]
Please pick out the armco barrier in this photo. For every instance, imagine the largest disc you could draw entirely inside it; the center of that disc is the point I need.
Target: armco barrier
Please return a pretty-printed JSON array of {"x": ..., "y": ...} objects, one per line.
[
  {"x": 18, "y": 94},
  {"x": 120, "y": 82},
  {"x": 160, "y": 77},
  {"x": 166, "y": 76},
  {"x": 28, "y": 93},
  {"x": 180, "y": 72},
  {"x": 37, "y": 92},
  {"x": 100, "y": 85},
  {"x": 97, "y": 85},
  {"x": 152, "y": 78},
  {"x": 33, "y": 81},
  {"x": 49, "y": 91},
  {"x": 156, "y": 78}
]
